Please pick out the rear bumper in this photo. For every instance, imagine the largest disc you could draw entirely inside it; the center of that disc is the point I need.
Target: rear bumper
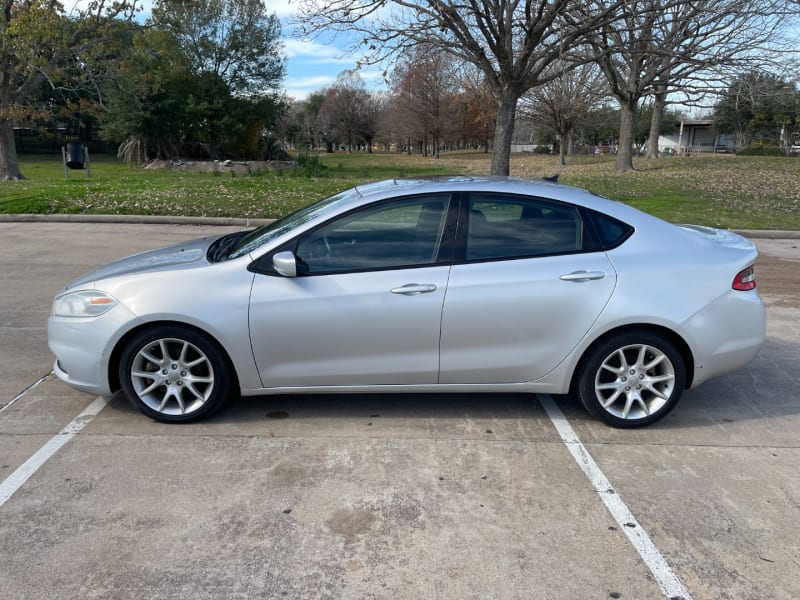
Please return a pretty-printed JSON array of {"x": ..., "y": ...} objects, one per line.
[{"x": 726, "y": 334}]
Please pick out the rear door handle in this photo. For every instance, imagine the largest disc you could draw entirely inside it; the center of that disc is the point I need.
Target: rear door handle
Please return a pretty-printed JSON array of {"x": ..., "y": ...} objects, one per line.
[
  {"x": 413, "y": 289},
  {"x": 579, "y": 276}
]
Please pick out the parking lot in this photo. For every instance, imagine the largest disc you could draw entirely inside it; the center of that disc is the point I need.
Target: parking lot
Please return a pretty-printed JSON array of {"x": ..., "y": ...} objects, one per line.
[{"x": 388, "y": 496}]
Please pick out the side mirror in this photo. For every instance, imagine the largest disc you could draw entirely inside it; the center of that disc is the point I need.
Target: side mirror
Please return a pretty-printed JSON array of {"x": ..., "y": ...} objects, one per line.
[{"x": 285, "y": 263}]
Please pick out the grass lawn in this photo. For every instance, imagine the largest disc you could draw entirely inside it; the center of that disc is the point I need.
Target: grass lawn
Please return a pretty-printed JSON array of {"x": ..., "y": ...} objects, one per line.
[{"x": 724, "y": 191}]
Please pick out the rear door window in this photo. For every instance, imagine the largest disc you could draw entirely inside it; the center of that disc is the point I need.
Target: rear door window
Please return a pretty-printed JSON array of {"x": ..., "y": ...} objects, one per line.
[{"x": 503, "y": 227}]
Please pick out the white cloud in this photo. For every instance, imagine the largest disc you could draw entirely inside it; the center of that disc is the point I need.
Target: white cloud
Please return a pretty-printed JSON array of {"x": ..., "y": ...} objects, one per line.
[
  {"x": 282, "y": 8},
  {"x": 315, "y": 52},
  {"x": 311, "y": 81},
  {"x": 300, "y": 88}
]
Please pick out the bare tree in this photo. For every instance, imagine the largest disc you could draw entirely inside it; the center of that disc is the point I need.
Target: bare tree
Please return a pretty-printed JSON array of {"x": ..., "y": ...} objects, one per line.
[
  {"x": 426, "y": 91},
  {"x": 565, "y": 103},
  {"x": 345, "y": 109},
  {"x": 374, "y": 106},
  {"x": 479, "y": 108},
  {"x": 512, "y": 42},
  {"x": 303, "y": 121},
  {"x": 659, "y": 46}
]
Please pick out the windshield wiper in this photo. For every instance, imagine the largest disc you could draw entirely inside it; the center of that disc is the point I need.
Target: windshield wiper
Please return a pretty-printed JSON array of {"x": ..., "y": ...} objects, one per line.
[{"x": 218, "y": 251}]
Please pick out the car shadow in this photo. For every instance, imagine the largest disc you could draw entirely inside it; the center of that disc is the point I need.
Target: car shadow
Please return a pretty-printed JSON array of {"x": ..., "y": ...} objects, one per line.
[
  {"x": 766, "y": 389},
  {"x": 389, "y": 405}
]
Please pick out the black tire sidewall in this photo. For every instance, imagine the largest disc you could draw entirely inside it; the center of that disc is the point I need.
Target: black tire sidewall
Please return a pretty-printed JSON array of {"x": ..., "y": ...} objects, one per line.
[
  {"x": 598, "y": 354},
  {"x": 222, "y": 379}
]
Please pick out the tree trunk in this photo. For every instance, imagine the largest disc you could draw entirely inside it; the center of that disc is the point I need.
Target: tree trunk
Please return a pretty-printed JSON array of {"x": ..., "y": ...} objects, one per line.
[
  {"x": 9, "y": 167},
  {"x": 627, "y": 127},
  {"x": 659, "y": 104},
  {"x": 562, "y": 148},
  {"x": 571, "y": 142},
  {"x": 503, "y": 132}
]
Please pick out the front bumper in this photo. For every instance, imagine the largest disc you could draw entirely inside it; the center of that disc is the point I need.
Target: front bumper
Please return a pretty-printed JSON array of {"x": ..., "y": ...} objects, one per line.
[
  {"x": 83, "y": 386},
  {"x": 83, "y": 348}
]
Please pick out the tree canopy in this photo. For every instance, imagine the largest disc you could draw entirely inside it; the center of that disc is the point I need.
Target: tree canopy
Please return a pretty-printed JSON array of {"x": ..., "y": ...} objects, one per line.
[
  {"x": 759, "y": 105},
  {"x": 42, "y": 48},
  {"x": 200, "y": 78}
]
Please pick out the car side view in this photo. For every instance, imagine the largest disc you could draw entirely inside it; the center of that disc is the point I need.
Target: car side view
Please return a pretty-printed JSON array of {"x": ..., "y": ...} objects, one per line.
[{"x": 457, "y": 284}]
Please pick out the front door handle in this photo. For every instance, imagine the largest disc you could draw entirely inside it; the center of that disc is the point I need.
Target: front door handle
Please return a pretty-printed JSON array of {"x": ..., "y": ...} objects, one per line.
[
  {"x": 413, "y": 289},
  {"x": 579, "y": 276}
]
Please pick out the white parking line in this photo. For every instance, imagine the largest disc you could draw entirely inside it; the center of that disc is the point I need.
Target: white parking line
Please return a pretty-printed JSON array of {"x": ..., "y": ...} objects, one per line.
[
  {"x": 30, "y": 466},
  {"x": 669, "y": 582}
]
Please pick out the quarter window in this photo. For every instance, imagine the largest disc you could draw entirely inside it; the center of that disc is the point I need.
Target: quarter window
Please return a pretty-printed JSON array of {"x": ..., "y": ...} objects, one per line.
[{"x": 612, "y": 232}]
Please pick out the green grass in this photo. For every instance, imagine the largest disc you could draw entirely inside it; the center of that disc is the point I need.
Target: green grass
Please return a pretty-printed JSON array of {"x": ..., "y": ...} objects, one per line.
[{"x": 725, "y": 191}]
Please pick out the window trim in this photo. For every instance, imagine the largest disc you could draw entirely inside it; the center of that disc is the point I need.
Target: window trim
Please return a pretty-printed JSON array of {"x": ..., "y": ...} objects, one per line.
[
  {"x": 263, "y": 265},
  {"x": 460, "y": 248}
]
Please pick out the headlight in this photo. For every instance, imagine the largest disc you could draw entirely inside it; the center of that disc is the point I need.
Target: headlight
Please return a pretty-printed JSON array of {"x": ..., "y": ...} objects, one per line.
[{"x": 87, "y": 303}]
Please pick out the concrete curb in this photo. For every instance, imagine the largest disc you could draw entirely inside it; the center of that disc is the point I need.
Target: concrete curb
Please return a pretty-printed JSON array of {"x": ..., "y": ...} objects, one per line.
[{"x": 769, "y": 234}]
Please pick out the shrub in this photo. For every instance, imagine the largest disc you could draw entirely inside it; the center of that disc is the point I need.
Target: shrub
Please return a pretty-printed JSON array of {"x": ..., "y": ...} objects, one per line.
[
  {"x": 761, "y": 151},
  {"x": 310, "y": 165}
]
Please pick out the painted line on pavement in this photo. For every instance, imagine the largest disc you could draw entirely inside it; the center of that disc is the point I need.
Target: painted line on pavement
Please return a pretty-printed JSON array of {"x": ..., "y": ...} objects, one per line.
[
  {"x": 30, "y": 466},
  {"x": 669, "y": 582}
]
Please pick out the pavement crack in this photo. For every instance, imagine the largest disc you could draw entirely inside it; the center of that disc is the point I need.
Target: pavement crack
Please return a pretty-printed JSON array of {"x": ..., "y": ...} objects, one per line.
[{"x": 28, "y": 389}]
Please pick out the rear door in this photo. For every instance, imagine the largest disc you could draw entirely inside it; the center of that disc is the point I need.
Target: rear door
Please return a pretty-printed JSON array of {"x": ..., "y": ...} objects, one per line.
[{"x": 527, "y": 284}]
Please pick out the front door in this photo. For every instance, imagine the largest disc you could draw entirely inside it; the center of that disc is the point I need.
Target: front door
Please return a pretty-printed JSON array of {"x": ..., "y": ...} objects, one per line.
[{"x": 366, "y": 305}]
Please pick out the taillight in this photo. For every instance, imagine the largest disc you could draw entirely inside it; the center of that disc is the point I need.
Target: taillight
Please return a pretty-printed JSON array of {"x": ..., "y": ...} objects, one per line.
[{"x": 745, "y": 280}]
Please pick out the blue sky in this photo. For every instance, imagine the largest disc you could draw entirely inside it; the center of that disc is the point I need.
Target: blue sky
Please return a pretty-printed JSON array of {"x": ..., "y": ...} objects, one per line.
[{"x": 312, "y": 64}]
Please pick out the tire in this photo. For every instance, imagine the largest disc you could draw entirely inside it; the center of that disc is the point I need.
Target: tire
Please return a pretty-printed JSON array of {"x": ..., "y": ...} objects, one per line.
[
  {"x": 631, "y": 379},
  {"x": 174, "y": 374}
]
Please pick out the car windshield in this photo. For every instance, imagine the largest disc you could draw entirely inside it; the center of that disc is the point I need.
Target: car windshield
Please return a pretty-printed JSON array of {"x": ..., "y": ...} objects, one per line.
[{"x": 258, "y": 237}]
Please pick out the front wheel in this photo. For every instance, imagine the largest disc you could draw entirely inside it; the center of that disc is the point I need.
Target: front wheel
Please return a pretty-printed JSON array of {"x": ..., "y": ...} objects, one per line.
[
  {"x": 632, "y": 379},
  {"x": 174, "y": 374}
]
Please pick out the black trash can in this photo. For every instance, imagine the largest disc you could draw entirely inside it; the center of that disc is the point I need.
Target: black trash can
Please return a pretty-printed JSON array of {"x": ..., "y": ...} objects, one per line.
[{"x": 75, "y": 155}]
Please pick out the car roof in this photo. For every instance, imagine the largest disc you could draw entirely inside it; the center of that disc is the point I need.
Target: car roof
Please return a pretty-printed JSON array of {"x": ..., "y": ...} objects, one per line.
[{"x": 544, "y": 188}]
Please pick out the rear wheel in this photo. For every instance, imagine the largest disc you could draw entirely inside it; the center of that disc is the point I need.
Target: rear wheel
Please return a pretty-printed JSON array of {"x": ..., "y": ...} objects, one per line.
[
  {"x": 174, "y": 374},
  {"x": 632, "y": 379}
]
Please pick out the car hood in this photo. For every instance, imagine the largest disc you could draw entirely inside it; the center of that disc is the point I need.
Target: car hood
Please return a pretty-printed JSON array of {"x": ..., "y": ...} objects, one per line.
[{"x": 180, "y": 256}]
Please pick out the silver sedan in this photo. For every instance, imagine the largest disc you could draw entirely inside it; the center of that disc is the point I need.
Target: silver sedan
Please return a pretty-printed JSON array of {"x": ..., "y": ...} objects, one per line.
[{"x": 454, "y": 284}]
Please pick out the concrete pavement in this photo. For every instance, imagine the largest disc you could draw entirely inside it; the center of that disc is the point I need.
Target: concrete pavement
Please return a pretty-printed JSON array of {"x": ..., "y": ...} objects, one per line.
[{"x": 382, "y": 496}]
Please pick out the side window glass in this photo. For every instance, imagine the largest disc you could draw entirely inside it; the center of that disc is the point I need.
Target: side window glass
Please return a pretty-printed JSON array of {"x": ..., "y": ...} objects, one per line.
[
  {"x": 512, "y": 227},
  {"x": 612, "y": 232},
  {"x": 391, "y": 235}
]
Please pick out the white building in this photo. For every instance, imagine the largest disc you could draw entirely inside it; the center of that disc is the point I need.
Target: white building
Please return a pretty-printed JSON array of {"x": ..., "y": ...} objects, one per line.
[{"x": 695, "y": 136}]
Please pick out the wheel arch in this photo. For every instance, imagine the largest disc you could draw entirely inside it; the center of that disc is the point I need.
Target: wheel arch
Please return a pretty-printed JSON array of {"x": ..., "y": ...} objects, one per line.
[
  {"x": 678, "y": 341},
  {"x": 116, "y": 353}
]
